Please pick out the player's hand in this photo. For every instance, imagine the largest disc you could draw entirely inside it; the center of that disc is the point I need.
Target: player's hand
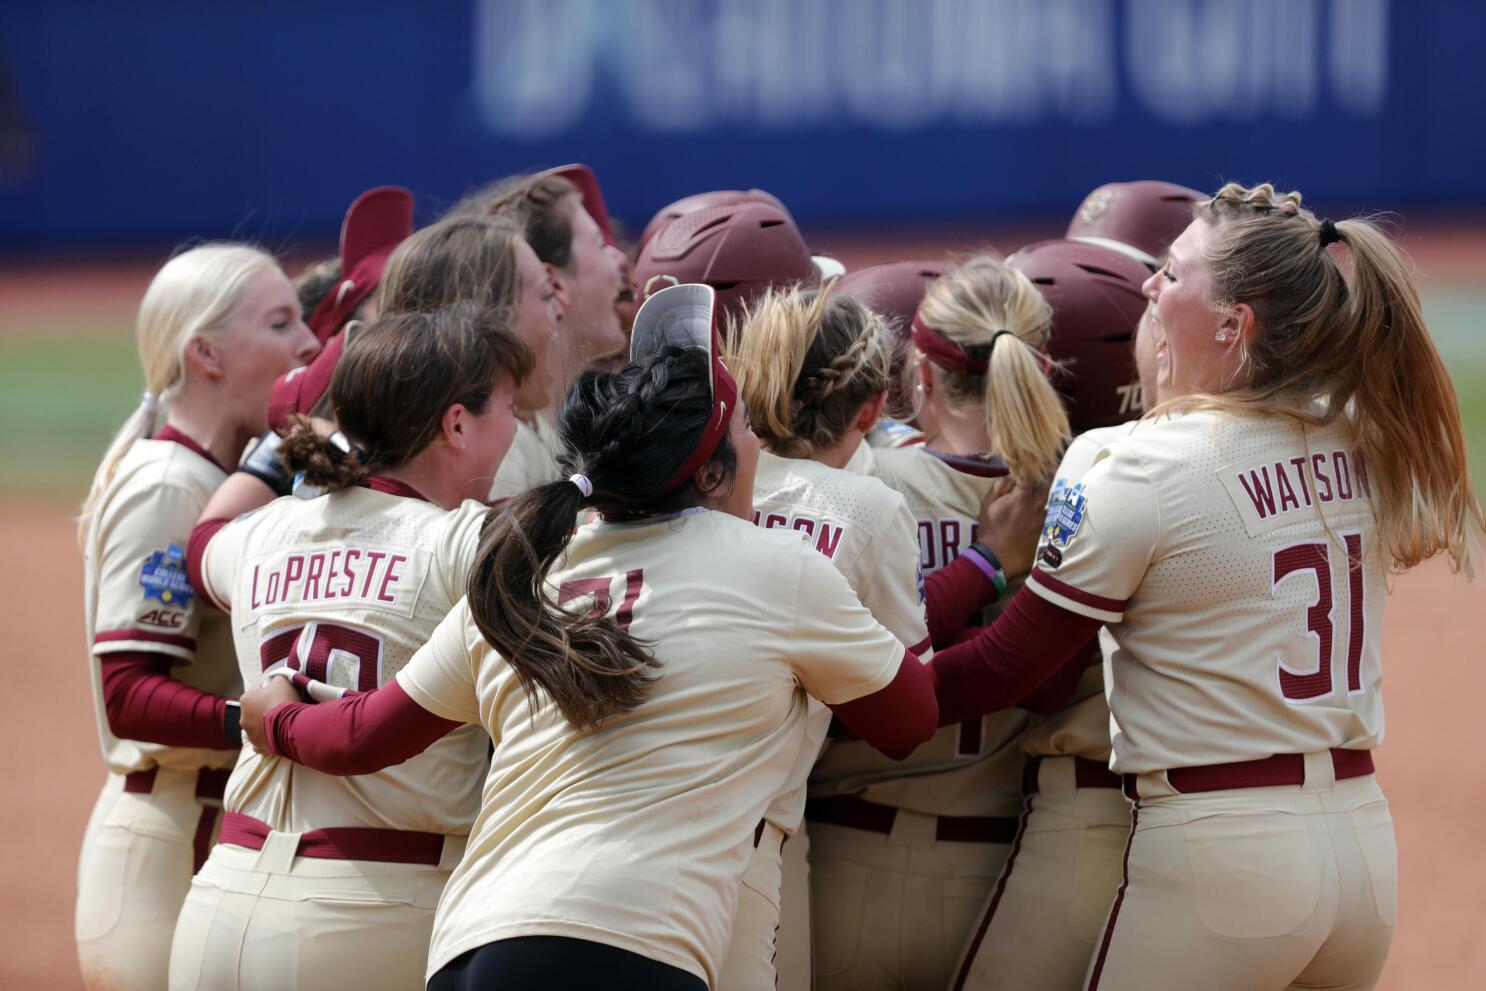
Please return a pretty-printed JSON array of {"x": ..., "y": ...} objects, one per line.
[
  {"x": 1011, "y": 518},
  {"x": 256, "y": 702}
]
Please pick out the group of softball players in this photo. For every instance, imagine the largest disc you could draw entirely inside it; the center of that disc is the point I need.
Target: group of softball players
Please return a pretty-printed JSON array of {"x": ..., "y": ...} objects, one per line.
[{"x": 501, "y": 604}]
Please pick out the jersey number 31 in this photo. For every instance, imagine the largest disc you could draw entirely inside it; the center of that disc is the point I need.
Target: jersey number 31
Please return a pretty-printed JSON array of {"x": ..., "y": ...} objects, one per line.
[{"x": 1315, "y": 556}]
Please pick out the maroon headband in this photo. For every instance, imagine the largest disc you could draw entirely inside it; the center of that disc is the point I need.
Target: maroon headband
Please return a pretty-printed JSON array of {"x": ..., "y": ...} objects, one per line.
[{"x": 946, "y": 353}]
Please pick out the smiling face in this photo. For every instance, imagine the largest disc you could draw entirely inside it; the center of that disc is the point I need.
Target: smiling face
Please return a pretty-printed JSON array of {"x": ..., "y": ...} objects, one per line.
[
  {"x": 263, "y": 338},
  {"x": 1198, "y": 344}
]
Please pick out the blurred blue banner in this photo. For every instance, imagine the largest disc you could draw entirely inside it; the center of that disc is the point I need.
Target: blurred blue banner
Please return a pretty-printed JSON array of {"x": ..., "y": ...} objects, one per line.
[{"x": 151, "y": 120}]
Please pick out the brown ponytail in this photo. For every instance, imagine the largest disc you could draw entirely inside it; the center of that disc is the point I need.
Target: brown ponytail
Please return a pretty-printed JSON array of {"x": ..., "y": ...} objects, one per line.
[
  {"x": 806, "y": 362},
  {"x": 1361, "y": 348},
  {"x": 1025, "y": 419},
  {"x": 394, "y": 383},
  {"x": 628, "y": 432}
]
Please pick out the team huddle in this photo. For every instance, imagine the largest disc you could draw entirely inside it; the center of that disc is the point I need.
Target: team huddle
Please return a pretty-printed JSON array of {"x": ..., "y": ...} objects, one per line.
[{"x": 495, "y": 607}]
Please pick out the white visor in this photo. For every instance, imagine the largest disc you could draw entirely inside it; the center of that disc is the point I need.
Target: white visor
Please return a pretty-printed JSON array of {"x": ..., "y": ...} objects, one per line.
[{"x": 680, "y": 316}]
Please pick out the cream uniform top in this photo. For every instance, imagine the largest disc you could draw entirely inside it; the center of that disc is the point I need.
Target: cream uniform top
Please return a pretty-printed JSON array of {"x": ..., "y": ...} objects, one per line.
[
  {"x": 137, "y": 595},
  {"x": 531, "y": 461},
  {"x": 1081, "y": 727},
  {"x": 345, "y": 588},
  {"x": 865, "y": 529},
  {"x": 1240, "y": 628},
  {"x": 970, "y": 769},
  {"x": 636, "y": 834}
]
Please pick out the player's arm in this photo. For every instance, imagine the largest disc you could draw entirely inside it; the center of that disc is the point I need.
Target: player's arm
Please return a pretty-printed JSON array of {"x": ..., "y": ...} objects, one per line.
[
  {"x": 1088, "y": 569},
  {"x": 1010, "y": 520},
  {"x": 147, "y": 617},
  {"x": 360, "y": 734},
  {"x": 873, "y": 682}
]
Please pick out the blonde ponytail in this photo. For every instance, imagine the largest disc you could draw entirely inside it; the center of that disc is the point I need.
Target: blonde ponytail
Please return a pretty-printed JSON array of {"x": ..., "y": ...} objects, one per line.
[
  {"x": 996, "y": 316},
  {"x": 1361, "y": 347},
  {"x": 806, "y": 361},
  {"x": 194, "y": 293}
]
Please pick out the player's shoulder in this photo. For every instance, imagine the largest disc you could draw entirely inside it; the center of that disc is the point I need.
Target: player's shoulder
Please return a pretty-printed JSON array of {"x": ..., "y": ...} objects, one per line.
[
  {"x": 864, "y": 500},
  {"x": 152, "y": 464}
]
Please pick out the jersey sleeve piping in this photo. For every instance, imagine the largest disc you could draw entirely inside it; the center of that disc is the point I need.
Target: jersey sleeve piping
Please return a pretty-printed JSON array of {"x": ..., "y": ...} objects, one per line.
[
  {"x": 111, "y": 641},
  {"x": 1076, "y": 599}
]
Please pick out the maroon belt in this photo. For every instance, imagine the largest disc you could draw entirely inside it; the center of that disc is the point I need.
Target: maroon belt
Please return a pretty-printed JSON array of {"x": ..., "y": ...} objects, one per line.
[
  {"x": 211, "y": 782},
  {"x": 858, "y": 813},
  {"x": 1280, "y": 769},
  {"x": 1086, "y": 774},
  {"x": 390, "y": 846}
]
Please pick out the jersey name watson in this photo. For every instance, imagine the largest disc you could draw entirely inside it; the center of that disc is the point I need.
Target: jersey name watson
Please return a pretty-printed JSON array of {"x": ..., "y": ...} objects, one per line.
[
  {"x": 825, "y": 536},
  {"x": 1267, "y": 491}
]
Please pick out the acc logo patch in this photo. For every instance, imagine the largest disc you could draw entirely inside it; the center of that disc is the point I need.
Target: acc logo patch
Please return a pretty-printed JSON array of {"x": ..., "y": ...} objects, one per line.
[
  {"x": 1065, "y": 514},
  {"x": 163, "y": 577}
]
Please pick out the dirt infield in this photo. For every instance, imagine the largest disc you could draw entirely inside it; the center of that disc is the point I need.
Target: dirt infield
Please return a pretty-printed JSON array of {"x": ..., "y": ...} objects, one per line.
[{"x": 1433, "y": 656}]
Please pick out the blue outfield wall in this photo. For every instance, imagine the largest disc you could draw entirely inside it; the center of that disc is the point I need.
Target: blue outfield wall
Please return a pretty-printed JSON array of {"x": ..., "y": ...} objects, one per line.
[{"x": 151, "y": 120}]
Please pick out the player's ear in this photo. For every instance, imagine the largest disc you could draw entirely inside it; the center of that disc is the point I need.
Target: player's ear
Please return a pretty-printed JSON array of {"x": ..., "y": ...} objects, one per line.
[
  {"x": 1238, "y": 323},
  {"x": 925, "y": 373},
  {"x": 204, "y": 356},
  {"x": 452, "y": 426},
  {"x": 870, "y": 413},
  {"x": 562, "y": 288}
]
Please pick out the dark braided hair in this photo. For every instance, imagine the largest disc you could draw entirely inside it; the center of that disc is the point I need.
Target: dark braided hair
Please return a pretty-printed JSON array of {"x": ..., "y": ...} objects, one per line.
[{"x": 629, "y": 432}]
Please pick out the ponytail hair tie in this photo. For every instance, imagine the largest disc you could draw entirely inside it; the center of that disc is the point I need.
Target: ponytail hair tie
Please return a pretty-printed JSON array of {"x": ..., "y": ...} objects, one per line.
[
  {"x": 584, "y": 485},
  {"x": 149, "y": 402},
  {"x": 996, "y": 337},
  {"x": 1328, "y": 233}
]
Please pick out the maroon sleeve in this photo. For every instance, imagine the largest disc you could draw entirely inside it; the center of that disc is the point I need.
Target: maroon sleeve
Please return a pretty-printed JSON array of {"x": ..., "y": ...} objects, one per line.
[
  {"x": 952, "y": 597},
  {"x": 900, "y": 715},
  {"x": 1050, "y": 696},
  {"x": 195, "y": 554},
  {"x": 356, "y": 735},
  {"x": 1030, "y": 641},
  {"x": 143, "y": 702}
]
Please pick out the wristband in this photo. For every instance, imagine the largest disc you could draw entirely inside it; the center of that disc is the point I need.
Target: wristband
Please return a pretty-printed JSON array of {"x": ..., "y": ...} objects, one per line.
[
  {"x": 262, "y": 462},
  {"x": 232, "y": 723},
  {"x": 995, "y": 572}
]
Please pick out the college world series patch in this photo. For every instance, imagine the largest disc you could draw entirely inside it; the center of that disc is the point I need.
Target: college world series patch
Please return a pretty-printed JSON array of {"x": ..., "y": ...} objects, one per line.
[
  {"x": 163, "y": 577},
  {"x": 1065, "y": 514}
]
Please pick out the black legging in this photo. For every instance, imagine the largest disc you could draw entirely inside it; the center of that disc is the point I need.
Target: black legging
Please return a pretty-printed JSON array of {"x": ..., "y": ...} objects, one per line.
[{"x": 545, "y": 963}]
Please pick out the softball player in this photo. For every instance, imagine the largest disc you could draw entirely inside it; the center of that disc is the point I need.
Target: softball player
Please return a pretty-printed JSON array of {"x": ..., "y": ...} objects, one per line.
[
  {"x": 1237, "y": 549},
  {"x": 217, "y": 324},
  {"x": 1045, "y": 912},
  {"x": 627, "y": 787},
  {"x": 486, "y": 260},
  {"x": 814, "y": 376},
  {"x": 319, "y": 881},
  {"x": 903, "y": 854}
]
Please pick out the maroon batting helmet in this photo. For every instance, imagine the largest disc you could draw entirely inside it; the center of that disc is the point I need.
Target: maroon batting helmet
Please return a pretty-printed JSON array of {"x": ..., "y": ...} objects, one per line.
[
  {"x": 588, "y": 189},
  {"x": 701, "y": 201},
  {"x": 739, "y": 249},
  {"x": 1139, "y": 218},
  {"x": 1094, "y": 292}
]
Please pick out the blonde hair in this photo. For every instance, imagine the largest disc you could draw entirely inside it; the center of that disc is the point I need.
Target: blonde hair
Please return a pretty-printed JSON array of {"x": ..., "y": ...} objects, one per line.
[
  {"x": 196, "y": 292},
  {"x": 806, "y": 362},
  {"x": 1360, "y": 347},
  {"x": 1024, "y": 418}
]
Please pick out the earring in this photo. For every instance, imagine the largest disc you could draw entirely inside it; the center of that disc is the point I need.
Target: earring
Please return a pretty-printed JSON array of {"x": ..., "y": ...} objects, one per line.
[{"x": 1222, "y": 337}]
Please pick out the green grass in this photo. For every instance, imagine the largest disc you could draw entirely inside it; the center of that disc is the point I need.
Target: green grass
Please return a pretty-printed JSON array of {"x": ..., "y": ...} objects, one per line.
[{"x": 65, "y": 388}]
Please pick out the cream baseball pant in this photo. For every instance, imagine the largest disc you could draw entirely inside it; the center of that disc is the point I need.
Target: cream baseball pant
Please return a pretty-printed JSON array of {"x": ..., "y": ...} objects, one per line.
[
  {"x": 1047, "y": 910},
  {"x": 145, "y": 838},
  {"x": 268, "y": 920},
  {"x": 1253, "y": 889},
  {"x": 891, "y": 911}
]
